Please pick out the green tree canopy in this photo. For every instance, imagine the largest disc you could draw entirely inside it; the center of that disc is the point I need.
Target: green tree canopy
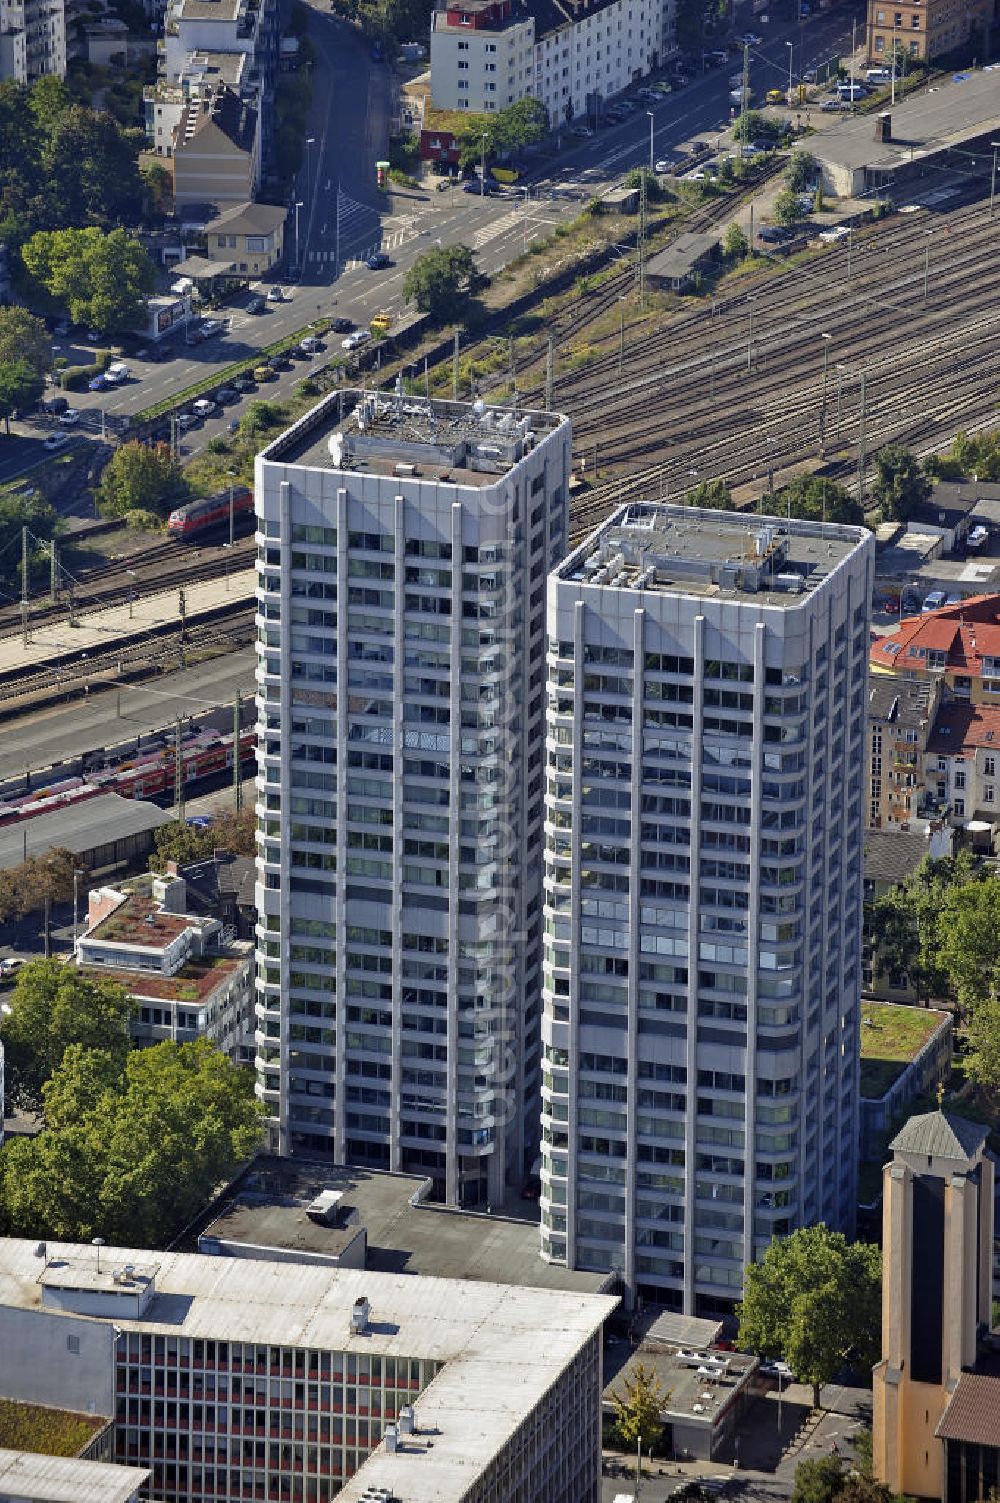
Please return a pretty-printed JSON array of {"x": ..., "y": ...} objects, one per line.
[
  {"x": 900, "y": 485},
  {"x": 24, "y": 337},
  {"x": 519, "y": 125},
  {"x": 441, "y": 280},
  {"x": 814, "y": 499},
  {"x": 787, "y": 209},
  {"x": 39, "y": 879},
  {"x": 818, "y": 1480},
  {"x": 814, "y": 1299},
  {"x": 638, "y": 1403},
  {"x": 970, "y": 454},
  {"x": 20, "y": 388},
  {"x": 714, "y": 495},
  {"x": 800, "y": 171},
  {"x": 17, "y": 512},
  {"x": 735, "y": 244},
  {"x": 130, "y": 1155},
  {"x": 51, "y": 1007},
  {"x": 99, "y": 278},
  {"x": 180, "y": 842},
  {"x": 138, "y": 475},
  {"x": 905, "y": 923}
]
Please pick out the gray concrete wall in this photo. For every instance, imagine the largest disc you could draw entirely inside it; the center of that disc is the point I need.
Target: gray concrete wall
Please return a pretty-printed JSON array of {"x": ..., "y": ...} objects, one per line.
[{"x": 40, "y": 1365}]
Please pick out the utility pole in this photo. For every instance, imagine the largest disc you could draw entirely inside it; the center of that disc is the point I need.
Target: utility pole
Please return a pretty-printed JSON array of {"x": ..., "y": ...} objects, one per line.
[
  {"x": 927, "y": 263},
  {"x": 550, "y": 381},
  {"x": 993, "y": 178},
  {"x": 178, "y": 770},
  {"x": 642, "y": 244},
  {"x": 712, "y": 343},
  {"x": 750, "y": 303},
  {"x": 237, "y": 762},
  {"x": 24, "y": 585},
  {"x": 53, "y": 572},
  {"x": 744, "y": 97},
  {"x": 862, "y": 456},
  {"x": 454, "y": 368},
  {"x": 826, "y": 338},
  {"x": 621, "y": 335},
  {"x": 182, "y": 607},
  {"x": 513, "y": 372},
  {"x": 230, "y": 513}
]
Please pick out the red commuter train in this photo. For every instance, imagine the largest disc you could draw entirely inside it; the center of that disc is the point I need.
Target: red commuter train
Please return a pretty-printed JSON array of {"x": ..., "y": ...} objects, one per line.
[{"x": 198, "y": 516}]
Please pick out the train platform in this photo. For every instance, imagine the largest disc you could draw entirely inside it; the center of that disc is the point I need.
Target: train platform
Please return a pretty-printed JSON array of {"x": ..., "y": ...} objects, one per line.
[{"x": 99, "y": 631}]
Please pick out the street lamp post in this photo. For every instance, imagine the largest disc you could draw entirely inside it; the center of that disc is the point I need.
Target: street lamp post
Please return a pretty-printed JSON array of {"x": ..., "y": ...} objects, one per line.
[
  {"x": 98, "y": 1242},
  {"x": 893, "y": 95},
  {"x": 652, "y": 154},
  {"x": 482, "y": 166},
  {"x": 927, "y": 261},
  {"x": 993, "y": 180},
  {"x": 298, "y": 205},
  {"x": 791, "y": 54},
  {"x": 750, "y": 303}
]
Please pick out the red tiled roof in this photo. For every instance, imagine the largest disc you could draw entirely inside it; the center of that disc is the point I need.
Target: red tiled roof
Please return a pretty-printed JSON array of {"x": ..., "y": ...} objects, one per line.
[
  {"x": 974, "y": 1412},
  {"x": 966, "y": 633},
  {"x": 958, "y": 729}
]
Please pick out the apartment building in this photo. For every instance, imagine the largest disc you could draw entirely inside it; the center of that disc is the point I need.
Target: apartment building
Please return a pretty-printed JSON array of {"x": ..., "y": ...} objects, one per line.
[
  {"x": 900, "y": 715},
  {"x": 569, "y": 54},
  {"x": 231, "y": 1379},
  {"x": 958, "y": 645},
  {"x": 403, "y": 549},
  {"x": 217, "y": 151},
  {"x": 200, "y": 76},
  {"x": 189, "y": 978},
  {"x": 926, "y": 29},
  {"x": 959, "y": 766},
  {"x": 32, "y": 39},
  {"x": 200, "y": 34},
  {"x": 703, "y": 894}
]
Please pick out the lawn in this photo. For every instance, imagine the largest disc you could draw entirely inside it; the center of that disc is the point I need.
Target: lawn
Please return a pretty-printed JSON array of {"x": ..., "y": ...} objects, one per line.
[
  {"x": 54, "y": 1432},
  {"x": 890, "y": 1037}
]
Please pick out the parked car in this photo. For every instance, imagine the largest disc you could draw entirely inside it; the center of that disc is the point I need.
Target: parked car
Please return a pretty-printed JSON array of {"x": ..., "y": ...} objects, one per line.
[
  {"x": 55, "y": 404},
  {"x": 264, "y": 373},
  {"x": 94, "y": 335},
  {"x": 227, "y": 394},
  {"x": 809, "y": 76},
  {"x": 186, "y": 420},
  {"x": 834, "y": 233},
  {"x": 210, "y": 327},
  {"x": 750, "y": 39},
  {"x": 204, "y": 407},
  {"x": 244, "y": 383},
  {"x": 663, "y": 165},
  {"x": 311, "y": 345},
  {"x": 359, "y": 337},
  {"x": 978, "y": 537},
  {"x": 99, "y": 383},
  {"x": 275, "y": 295},
  {"x": 935, "y": 600},
  {"x": 774, "y": 234},
  {"x": 117, "y": 372},
  {"x": 56, "y": 440},
  {"x": 378, "y": 261},
  {"x": 342, "y": 325},
  {"x": 257, "y": 305},
  {"x": 281, "y": 362},
  {"x": 69, "y": 418}
]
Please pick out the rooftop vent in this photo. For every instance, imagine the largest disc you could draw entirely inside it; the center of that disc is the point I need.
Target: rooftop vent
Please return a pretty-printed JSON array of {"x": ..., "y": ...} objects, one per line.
[
  {"x": 359, "y": 1317},
  {"x": 883, "y": 126},
  {"x": 391, "y": 1438},
  {"x": 406, "y": 1420}
]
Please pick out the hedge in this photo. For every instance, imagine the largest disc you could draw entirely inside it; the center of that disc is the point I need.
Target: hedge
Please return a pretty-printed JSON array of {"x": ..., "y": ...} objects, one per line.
[{"x": 76, "y": 377}]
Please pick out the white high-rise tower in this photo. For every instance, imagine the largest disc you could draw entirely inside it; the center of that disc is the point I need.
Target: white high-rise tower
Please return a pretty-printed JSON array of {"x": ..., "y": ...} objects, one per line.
[
  {"x": 707, "y": 677},
  {"x": 404, "y": 546}
]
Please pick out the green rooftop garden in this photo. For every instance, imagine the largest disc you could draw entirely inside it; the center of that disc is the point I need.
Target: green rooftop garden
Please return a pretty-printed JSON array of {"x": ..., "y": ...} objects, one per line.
[
  {"x": 891, "y": 1036},
  {"x": 53, "y": 1432}
]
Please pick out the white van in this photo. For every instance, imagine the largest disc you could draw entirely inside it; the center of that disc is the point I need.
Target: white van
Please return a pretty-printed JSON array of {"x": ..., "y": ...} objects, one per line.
[
  {"x": 117, "y": 372},
  {"x": 878, "y": 76}
]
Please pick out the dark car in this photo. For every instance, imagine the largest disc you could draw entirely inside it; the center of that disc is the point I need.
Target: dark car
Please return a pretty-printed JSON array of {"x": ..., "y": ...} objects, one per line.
[
  {"x": 256, "y": 305},
  {"x": 378, "y": 261},
  {"x": 774, "y": 234},
  {"x": 227, "y": 394},
  {"x": 342, "y": 325},
  {"x": 281, "y": 362},
  {"x": 244, "y": 383}
]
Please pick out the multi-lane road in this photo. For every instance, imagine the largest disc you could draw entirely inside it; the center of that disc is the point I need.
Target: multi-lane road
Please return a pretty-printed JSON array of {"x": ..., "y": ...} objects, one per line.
[{"x": 348, "y": 132}]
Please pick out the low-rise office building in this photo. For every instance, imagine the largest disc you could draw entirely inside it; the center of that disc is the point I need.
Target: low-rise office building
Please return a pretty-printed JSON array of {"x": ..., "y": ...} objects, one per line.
[
  {"x": 188, "y": 976},
  {"x": 29, "y": 1477},
  {"x": 924, "y": 29},
  {"x": 250, "y": 236},
  {"x": 232, "y": 1380}
]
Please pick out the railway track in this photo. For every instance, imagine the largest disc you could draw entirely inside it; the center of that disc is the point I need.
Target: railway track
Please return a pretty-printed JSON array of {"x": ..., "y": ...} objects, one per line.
[{"x": 157, "y": 568}]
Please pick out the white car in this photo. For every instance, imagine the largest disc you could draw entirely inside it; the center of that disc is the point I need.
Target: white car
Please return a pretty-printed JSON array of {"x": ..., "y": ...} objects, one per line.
[
  {"x": 56, "y": 441},
  {"x": 359, "y": 337},
  {"x": 211, "y": 326},
  {"x": 750, "y": 39},
  {"x": 310, "y": 344},
  {"x": 69, "y": 418},
  {"x": 187, "y": 420},
  {"x": 834, "y": 233},
  {"x": 117, "y": 372},
  {"x": 663, "y": 165},
  {"x": 978, "y": 537},
  {"x": 203, "y": 407}
]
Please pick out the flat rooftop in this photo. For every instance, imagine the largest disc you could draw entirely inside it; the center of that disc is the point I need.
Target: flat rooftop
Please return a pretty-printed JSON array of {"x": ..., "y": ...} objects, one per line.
[
  {"x": 60, "y": 1479},
  {"x": 405, "y": 437},
  {"x": 80, "y": 827},
  {"x": 139, "y": 920},
  {"x": 39, "y": 1427},
  {"x": 891, "y": 1037},
  {"x": 404, "y": 1236},
  {"x": 649, "y": 546},
  {"x": 930, "y": 121},
  {"x": 697, "y": 1383},
  {"x": 502, "y": 1348}
]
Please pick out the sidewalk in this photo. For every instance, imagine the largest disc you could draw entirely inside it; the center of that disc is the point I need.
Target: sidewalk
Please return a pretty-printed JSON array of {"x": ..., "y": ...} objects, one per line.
[{"x": 101, "y": 630}]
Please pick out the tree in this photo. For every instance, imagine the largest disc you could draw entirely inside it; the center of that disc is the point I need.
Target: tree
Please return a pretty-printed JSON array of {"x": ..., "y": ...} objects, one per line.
[
  {"x": 815, "y": 1300},
  {"x": 638, "y": 1407},
  {"x": 905, "y": 924},
  {"x": 20, "y": 388},
  {"x": 900, "y": 485},
  {"x": 24, "y": 337},
  {"x": 157, "y": 185},
  {"x": 710, "y": 494},
  {"x": 53, "y": 1007},
  {"x": 16, "y": 513},
  {"x": 101, "y": 279},
  {"x": 130, "y": 1155},
  {"x": 814, "y": 499},
  {"x": 259, "y": 418},
  {"x": 37, "y": 881},
  {"x": 180, "y": 842},
  {"x": 818, "y": 1480},
  {"x": 441, "y": 280},
  {"x": 139, "y": 476},
  {"x": 735, "y": 245},
  {"x": 800, "y": 171},
  {"x": 787, "y": 209}
]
